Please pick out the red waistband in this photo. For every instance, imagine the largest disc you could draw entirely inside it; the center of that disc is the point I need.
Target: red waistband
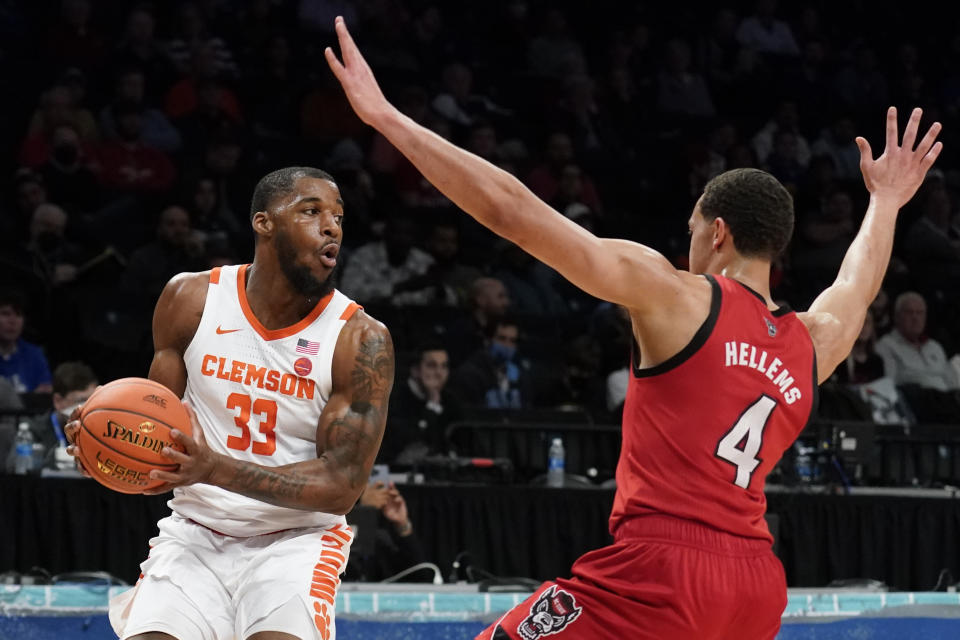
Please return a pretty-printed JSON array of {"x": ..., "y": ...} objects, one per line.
[{"x": 688, "y": 532}]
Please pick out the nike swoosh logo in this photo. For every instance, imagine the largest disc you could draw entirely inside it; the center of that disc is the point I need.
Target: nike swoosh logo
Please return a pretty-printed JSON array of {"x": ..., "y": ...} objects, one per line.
[{"x": 220, "y": 331}]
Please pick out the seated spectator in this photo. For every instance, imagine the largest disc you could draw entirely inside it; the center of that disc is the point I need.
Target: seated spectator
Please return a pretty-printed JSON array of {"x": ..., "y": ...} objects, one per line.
[
  {"x": 529, "y": 282},
  {"x": 73, "y": 383},
  {"x": 837, "y": 143},
  {"x": 861, "y": 84},
  {"x": 545, "y": 179},
  {"x": 784, "y": 161},
  {"x": 918, "y": 364},
  {"x": 457, "y": 101},
  {"x": 211, "y": 217},
  {"x": 577, "y": 383},
  {"x": 822, "y": 240},
  {"x": 9, "y": 401},
  {"x": 127, "y": 164},
  {"x": 420, "y": 409},
  {"x": 140, "y": 48},
  {"x": 493, "y": 377},
  {"x": 863, "y": 364},
  {"x": 554, "y": 52},
  {"x": 443, "y": 244},
  {"x": 156, "y": 130},
  {"x": 49, "y": 255},
  {"x": 763, "y": 32},
  {"x": 932, "y": 244},
  {"x": 682, "y": 94},
  {"x": 190, "y": 35},
  {"x": 488, "y": 301},
  {"x": 176, "y": 249},
  {"x": 395, "y": 546},
  {"x": 392, "y": 269},
  {"x": 22, "y": 363},
  {"x": 787, "y": 118},
  {"x": 29, "y": 193},
  {"x": 57, "y": 108},
  {"x": 200, "y": 104},
  {"x": 68, "y": 172}
]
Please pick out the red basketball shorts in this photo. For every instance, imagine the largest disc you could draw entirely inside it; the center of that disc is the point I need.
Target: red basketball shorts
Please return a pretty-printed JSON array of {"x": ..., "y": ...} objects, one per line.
[{"x": 662, "y": 578}]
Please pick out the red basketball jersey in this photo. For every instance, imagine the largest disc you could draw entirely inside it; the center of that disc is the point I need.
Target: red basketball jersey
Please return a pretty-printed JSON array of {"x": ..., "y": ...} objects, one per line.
[{"x": 702, "y": 430}]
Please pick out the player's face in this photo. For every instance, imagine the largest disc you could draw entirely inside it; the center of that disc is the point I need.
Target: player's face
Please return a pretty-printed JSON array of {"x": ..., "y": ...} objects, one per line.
[
  {"x": 701, "y": 240},
  {"x": 309, "y": 231}
]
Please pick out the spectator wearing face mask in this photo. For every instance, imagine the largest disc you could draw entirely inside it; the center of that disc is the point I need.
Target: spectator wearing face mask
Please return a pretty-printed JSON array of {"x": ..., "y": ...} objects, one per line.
[
  {"x": 493, "y": 377},
  {"x": 49, "y": 255},
  {"x": 73, "y": 383},
  {"x": 68, "y": 171}
]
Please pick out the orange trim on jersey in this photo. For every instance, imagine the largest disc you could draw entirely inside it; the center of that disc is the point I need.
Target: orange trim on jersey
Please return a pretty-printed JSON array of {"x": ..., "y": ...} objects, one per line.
[
  {"x": 215, "y": 275},
  {"x": 330, "y": 553},
  {"x": 351, "y": 309},
  {"x": 275, "y": 334},
  {"x": 326, "y": 569},
  {"x": 340, "y": 534}
]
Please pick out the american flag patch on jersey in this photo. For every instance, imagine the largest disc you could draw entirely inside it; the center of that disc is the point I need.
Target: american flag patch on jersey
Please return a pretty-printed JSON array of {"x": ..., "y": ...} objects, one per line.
[{"x": 308, "y": 347}]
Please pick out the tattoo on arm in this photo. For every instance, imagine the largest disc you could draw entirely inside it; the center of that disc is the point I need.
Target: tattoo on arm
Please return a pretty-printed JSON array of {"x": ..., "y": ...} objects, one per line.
[
  {"x": 264, "y": 482},
  {"x": 351, "y": 436}
]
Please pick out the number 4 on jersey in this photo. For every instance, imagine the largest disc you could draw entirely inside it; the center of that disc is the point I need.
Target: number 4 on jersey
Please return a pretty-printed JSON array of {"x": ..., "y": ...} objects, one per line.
[{"x": 750, "y": 425}]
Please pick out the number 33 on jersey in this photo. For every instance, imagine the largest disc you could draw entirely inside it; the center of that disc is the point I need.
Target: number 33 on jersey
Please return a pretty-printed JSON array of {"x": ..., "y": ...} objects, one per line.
[{"x": 258, "y": 393}]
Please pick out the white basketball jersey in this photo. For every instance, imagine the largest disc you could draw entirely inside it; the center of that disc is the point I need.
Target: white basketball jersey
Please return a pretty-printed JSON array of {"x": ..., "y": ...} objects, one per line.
[{"x": 258, "y": 394}]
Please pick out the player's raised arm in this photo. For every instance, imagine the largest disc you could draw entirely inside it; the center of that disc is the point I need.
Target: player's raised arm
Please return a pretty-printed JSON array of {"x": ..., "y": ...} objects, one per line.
[
  {"x": 615, "y": 270},
  {"x": 835, "y": 317}
]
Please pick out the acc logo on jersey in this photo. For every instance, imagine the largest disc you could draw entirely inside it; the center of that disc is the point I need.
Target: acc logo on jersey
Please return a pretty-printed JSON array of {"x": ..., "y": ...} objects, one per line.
[
  {"x": 771, "y": 328},
  {"x": 303, "y": 366},
  {"x": 550, "y": 614}
]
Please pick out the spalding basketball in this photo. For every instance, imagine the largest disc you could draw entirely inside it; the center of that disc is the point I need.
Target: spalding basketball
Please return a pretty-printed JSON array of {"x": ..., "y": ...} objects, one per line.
[{"x": 124, "y": 427}]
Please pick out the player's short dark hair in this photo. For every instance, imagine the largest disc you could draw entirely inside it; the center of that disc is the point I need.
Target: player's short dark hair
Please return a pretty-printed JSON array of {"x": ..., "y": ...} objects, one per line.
[
  {"x": 756, "y": 207},
  {"x": 72, "y": 376},
  {"x": 279, "y": 182}
]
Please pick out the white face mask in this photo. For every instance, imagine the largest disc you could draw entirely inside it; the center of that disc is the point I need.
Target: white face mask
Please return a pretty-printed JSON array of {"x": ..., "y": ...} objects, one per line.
[{"x": 68, "y": 411}]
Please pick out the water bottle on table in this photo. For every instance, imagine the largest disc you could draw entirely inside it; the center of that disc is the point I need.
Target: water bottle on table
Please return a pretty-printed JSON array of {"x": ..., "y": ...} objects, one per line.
[
  {"x": 557, "y": 462},
  {"x": 23, "y": 450}
]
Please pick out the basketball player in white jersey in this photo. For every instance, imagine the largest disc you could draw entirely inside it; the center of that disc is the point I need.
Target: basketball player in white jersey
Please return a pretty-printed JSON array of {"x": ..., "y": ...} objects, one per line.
[{"x": 288, "y": 381}]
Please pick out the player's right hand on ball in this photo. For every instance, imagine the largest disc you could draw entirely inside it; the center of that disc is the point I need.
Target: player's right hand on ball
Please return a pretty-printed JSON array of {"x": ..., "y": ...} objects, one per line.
[{"x": 70, "y": 432}]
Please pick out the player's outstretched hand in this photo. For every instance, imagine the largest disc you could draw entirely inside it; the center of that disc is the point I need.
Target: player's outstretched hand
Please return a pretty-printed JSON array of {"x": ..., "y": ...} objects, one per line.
[
  {"x": 900, "y": 171},
  {"x": 196, "y": 465},
  {"x": 356, "y": 78}
]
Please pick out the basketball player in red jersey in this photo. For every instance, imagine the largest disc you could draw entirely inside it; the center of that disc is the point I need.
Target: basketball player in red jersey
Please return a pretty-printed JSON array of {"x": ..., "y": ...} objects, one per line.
[
  {"x": 288, "y": 383},
  {"x": 723, "y": 380}
]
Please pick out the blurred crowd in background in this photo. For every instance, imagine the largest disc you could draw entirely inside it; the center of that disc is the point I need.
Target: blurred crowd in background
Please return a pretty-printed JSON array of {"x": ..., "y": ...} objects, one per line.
[{"x": 134, "y": 133}]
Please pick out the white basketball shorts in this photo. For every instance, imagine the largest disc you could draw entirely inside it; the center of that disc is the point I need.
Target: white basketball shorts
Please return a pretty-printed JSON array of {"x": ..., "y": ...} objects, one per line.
[{"x": 203, "y": 585}]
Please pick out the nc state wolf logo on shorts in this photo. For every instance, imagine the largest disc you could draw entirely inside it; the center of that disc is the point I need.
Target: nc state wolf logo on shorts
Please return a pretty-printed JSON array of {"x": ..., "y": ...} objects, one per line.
[{"x": 550, "y": 614}]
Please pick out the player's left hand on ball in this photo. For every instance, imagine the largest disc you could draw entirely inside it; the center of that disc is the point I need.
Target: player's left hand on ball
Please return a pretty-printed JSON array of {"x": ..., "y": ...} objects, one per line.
[{"x": 197, "y": 462}]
